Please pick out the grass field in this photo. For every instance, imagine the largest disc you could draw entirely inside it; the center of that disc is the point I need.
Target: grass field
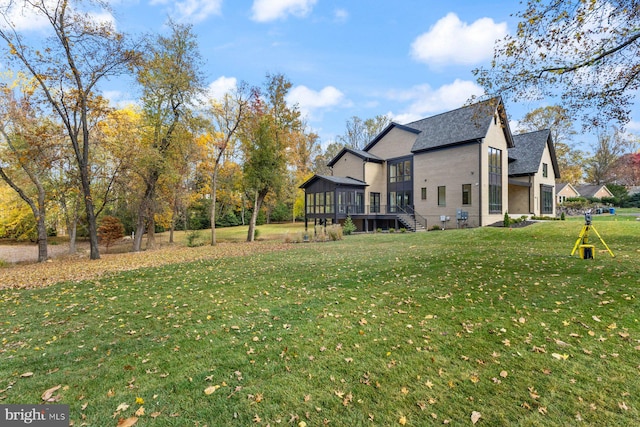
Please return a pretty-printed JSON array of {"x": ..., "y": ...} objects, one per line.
[{"x": 492, "y": 325}]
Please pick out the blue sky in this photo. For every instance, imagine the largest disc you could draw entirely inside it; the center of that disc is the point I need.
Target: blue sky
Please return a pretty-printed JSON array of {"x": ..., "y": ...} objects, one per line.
[{"x": 407, "y": 59}]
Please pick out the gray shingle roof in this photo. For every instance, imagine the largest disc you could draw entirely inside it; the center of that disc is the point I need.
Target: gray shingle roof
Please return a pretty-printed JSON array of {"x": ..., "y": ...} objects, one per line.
[
  {"x": 527, "y": 153},
  {"x": 360, "y": 153},
  {"x": 587, "y": 190},
  {"x": 338, "y": 180},
  {"x": 465, "y": 124}
]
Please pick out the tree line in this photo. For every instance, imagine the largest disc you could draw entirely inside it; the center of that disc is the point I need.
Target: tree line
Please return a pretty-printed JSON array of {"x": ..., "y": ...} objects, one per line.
[{"x": 178, "y": 159}]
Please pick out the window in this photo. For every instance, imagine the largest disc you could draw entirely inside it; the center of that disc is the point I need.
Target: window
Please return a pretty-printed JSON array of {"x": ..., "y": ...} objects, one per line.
[
  {"x": 546, "y": 199},
  {"x": 310, "y": 204},
  {"x": 495, "y": 180},
  {"x": 423, "y": 192},
  {"x": 399, "y": 171},
  {"x": 319, "y": 202},
  {"x": 545, "y": 171},
  {"x": 374, "y": 202},
  {"x": 328, "y": 200},
  {"x": 466, "y": 194},
  {"x": 442, "y": 196}
]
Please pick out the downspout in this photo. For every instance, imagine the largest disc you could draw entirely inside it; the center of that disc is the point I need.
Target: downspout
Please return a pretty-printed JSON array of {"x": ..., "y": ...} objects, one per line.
[
  {"x": 531, "y": 189},
  {"x": 480, "y": 182}
]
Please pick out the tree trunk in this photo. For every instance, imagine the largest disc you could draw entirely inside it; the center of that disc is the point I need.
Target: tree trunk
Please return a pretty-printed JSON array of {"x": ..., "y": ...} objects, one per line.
[
  {"x": 72, "y": 229},
  {"x": 214, "y": 185},
  {"x": 42, "y": 235},
  {"x": 137, "y": 238},
  {"x": 151, "y": 231},
  {"x": 146, "y": 212},
  {"x": 94, "y": 251},
  {"x": 260, "y": 195}
]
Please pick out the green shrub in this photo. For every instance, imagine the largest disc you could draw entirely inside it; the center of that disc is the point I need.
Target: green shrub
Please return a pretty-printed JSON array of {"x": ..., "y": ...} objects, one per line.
[
  {"x": 507, "y": 219},
  {"x": 435, "y": 227},
  {"x": 349, "y": 226},
  {"x": 378, "y": 230},
  {"x": 562, "y": 216},
  {"x": 192, "y": 239},
  {"x": 403, "y": 230}
]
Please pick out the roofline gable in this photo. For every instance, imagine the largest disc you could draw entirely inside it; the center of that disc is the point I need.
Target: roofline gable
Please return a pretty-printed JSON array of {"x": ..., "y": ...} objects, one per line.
[
  {"x": 358, "y": 153},
  {"x": 386, "y": 130}
]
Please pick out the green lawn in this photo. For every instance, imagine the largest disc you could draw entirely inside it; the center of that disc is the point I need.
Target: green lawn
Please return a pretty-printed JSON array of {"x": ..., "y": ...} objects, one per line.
[{"x": 379, "y": 329}]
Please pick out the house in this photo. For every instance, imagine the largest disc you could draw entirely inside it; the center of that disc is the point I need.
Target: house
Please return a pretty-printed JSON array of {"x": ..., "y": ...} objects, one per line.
[
  {"x": 450, "y": 170},
  {"x": 533, "y": 170},
  {"x": 594, "y": 191},
  {"x": 565, "y": 191}
]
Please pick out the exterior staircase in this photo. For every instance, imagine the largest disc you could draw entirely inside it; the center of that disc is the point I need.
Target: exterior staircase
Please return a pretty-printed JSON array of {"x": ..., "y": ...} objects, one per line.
[{"x": 410, "y": 222}]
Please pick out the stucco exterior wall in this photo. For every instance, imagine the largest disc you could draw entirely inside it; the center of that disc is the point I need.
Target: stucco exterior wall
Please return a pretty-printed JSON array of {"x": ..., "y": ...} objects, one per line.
[
  {"x": 496, "y": 139},
  {"x": 376, "y": 177},
  {"x": 568, "y": 192},
  {"x": 396, "y": 143},
  {"x": 549, "y": 180},
  {"x": 450, "y": 168},
  {"x": 520, "y": 197},
  {"x": 349, "y": 165}
]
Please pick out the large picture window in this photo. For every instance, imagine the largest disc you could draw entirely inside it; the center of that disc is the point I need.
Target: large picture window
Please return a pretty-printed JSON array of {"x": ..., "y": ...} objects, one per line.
[
  {"x": 546, "y": 199},
  {"x": 495, "y": 180},
  {"x": 399, "y": 171}
]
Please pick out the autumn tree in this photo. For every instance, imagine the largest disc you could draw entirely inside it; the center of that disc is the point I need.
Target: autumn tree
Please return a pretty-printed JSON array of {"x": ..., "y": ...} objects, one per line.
[
  {"x": 587, "y": 53},
  {"x": 320, "y": 162},
  {"x": 171, "y": 79},
  {"x": 304, "y": 149},
  {"x": 610, "y": 146},
  {"x": 79, "y": 52},
  {"x": 626, "y": 170},
  {"x": 265, "y": 140},
  {"x": 360, "y": 132},
  {"x": 110, "y": 231},
  {"x": 28, "y": 149},
  {"x": 224, "y": 118},
  {"x": 557, "y": 120}
]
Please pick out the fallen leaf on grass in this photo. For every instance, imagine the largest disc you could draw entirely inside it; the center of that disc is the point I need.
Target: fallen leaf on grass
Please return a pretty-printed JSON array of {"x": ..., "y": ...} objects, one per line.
[
  {"x": 127, "y": 422},
  {"x": 140, "y": 411},
  {"x": 26, "y": 375},
  {"x": 475, "y": 416},
  {"x": 47, "y": 396},
  {"x": 211, "y": 389},
  {"x": 560, "y": 356},
  {"x": 122, "y": 407},
  {"x": 402, "y": 421}
]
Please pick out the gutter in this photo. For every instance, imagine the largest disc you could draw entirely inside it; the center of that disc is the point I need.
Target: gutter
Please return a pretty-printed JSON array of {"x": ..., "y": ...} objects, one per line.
[{"x": 480, "y": 141}]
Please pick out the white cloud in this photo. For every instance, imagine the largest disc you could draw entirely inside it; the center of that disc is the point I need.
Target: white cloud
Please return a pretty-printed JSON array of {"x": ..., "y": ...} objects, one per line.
[
  {"x": 222, "y": 85},
  {"x": 453, "y": 41},
  {"x": 424, "y": 100},
  {"x": 26, "y": 18},
  {"x": 271, "y": 10},
  {"x": 340, "y": 15},
  {"x": 310, "y": 100},
  {"x": 192, "y": 10}
]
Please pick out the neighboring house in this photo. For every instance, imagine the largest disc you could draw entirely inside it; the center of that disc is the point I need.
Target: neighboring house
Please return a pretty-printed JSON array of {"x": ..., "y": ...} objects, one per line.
[
  {"x": 451, "y": 170},
  {"x": 565, "y": 191},
  {"x": 594, "y": 191}
]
